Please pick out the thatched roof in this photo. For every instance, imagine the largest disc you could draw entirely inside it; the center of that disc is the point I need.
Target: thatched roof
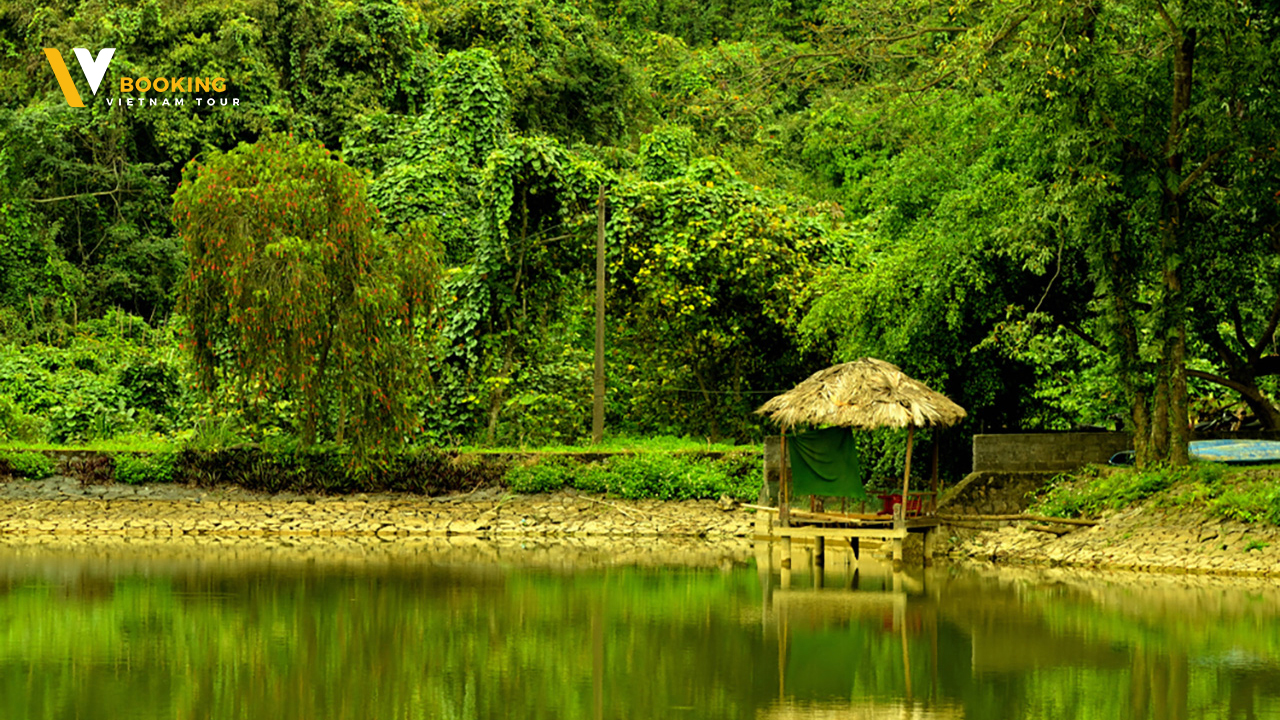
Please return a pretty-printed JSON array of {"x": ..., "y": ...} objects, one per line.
[{"x": 865, "y": 393}]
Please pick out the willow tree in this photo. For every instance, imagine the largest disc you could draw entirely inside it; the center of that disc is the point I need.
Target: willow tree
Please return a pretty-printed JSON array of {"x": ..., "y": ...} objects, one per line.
[{"x": 295, "y": 294}]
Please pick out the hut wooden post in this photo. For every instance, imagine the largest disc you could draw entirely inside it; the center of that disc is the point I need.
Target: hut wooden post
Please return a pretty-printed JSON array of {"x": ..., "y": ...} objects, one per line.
[
  {"x": 933, "y": 473},
  {"x": 784, "y": 511},
  {"x": 784, "y": 485},
  {"x": 906, "y": 476}
]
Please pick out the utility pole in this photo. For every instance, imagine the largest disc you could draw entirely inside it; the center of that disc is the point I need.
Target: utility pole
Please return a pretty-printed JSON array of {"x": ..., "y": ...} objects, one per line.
[{"x": 597, "y": 415}]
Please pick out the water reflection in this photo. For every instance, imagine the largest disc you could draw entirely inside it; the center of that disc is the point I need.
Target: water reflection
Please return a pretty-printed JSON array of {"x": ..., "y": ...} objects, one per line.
[{"x": 472, "y": 630}]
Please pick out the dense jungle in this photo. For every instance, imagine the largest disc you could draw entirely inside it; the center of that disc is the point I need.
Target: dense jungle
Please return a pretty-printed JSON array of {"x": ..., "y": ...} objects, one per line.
[{"x": 1059, "y": 214}]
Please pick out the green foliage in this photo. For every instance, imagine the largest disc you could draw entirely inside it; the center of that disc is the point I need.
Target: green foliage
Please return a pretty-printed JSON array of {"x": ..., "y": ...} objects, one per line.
[
  {"x": 541, "y": 476},
  {"x": 18, "y": 425},
  {"x": 1246, "y": 495},
  {"x": 295, "y": 294},
  {"x": 991, "y": 196},
  {"x": 664, "y": 153},
  {"x": 329, "y": 468},
  {"x": 115, "y": 377},
  {"x": 941, "y": 245},
  {"x": 564, "y": 76},
  {"x": 29, "y": 465},
  {"x": 705, "y": 274},
  {"x": 1095, "y": 490},
  {"x": 648, "y": 475},
  {"x": 137, "y": 468},
  {"x": 614, "y": 443},
  {"x": 673, "y": 477}
]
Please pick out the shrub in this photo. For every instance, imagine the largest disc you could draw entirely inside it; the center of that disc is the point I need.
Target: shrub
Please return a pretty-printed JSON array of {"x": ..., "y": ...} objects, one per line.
[
  {"x": 135, "y": 469},
  {"x": 15, "y": 424},
  {"x": 659, "y": 476},
  {"x": 544, "y": 475},
  {"x": 29, "y": 465},
  {"x": 1093, "y": 490}
]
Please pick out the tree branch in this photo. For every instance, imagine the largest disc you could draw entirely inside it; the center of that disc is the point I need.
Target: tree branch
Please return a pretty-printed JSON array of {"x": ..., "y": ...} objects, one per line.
[
  {"x": 1000, "y": 36},
  {"x": 1174, "y": 33},
  {"x": 1237, "y": 324},
  {"x": 77, "y": 195},
  {"x": 1225, "y": 353},
  {"x": 930, "y": 84},
  {"x": 1225, "y": 382},
  {"x": 1185, "y": 185},
  {"x": 1086, "y": 337},
  {"x": 1267, "y": 335}
]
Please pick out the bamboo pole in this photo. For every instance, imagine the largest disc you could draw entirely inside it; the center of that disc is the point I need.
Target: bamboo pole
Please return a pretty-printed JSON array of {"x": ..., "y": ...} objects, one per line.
[{"x": 1017, "y": 517}]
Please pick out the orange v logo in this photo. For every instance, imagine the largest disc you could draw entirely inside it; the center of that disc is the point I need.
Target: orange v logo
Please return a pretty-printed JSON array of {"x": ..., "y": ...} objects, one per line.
[
  {"x": 64, "y": 78},
  {"x": 94, "y": 69}
]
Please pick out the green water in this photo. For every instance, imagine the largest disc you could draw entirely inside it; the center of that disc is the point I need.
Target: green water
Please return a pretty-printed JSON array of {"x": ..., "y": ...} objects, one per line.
[{"x": 136, "y": 633}]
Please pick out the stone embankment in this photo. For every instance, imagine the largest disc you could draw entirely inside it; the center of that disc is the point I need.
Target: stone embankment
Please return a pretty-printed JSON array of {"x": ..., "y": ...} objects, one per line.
[
  {"x": 60, "y": 507},
  {"x": 1140, "y": 538}
]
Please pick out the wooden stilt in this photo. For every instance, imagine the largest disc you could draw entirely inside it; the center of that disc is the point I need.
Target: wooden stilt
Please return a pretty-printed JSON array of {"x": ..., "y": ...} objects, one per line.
[
  {"x": 786, "y": 553},
  {"x": 819, "y": 551}
]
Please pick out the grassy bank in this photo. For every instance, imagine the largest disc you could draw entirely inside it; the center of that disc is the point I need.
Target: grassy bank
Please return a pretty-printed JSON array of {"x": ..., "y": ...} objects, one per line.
[{"x": 1246, "y": 494}]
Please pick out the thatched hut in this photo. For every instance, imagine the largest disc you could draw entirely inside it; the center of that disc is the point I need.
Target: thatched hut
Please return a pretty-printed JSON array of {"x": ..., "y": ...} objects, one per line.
[{"x": 866, "y": 393}]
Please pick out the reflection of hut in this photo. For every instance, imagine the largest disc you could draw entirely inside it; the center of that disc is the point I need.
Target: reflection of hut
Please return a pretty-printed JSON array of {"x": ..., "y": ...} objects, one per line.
[{"x": 867, "y": 394}]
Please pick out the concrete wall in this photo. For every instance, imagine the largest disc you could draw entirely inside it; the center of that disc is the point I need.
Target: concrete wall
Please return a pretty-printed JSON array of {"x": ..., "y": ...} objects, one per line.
[
  {"x": 993, "y": 493},
  {"x": 1045, "y": 452}
]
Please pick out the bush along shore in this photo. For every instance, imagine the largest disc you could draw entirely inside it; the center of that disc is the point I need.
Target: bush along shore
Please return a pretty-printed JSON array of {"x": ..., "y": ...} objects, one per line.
[
  {"x": 686, "y": 475},
  {"x": 1202, "y": 519},
  {"x": 256, "y": 492}
]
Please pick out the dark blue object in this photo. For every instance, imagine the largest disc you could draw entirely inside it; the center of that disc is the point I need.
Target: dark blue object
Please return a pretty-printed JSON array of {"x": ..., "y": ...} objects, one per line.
[{"x": 1124, "y": 457}]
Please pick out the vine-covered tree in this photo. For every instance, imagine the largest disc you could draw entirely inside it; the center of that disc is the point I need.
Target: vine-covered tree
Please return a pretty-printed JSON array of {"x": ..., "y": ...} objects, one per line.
[{"x": 295, "y": 294}]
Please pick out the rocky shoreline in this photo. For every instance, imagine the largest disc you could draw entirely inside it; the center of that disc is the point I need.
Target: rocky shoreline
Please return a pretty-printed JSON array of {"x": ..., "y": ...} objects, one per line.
[
  {"x": 1145, "y": 538},
  {"x": 59, "y": 506}
]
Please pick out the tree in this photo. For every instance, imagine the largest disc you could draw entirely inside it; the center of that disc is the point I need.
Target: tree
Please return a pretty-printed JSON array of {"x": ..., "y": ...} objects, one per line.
[
  {"x": 705, "y": 273},
  {"x": 1140, "y": 109},
  {"x": 1145, "y": 106},
  {"x": 295, "y": 293}
]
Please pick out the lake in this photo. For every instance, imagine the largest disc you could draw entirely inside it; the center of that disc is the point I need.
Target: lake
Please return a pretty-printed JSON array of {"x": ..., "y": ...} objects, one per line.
[{"x": 637, "y": 629}]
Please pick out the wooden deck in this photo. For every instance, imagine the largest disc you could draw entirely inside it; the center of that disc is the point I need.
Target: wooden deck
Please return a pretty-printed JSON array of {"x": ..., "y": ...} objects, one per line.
[{"x": 851, "y": 527}]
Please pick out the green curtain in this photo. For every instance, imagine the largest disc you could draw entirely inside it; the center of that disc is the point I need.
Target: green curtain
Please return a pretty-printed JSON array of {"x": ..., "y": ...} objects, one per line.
[{"x": 825, "y": 462}]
